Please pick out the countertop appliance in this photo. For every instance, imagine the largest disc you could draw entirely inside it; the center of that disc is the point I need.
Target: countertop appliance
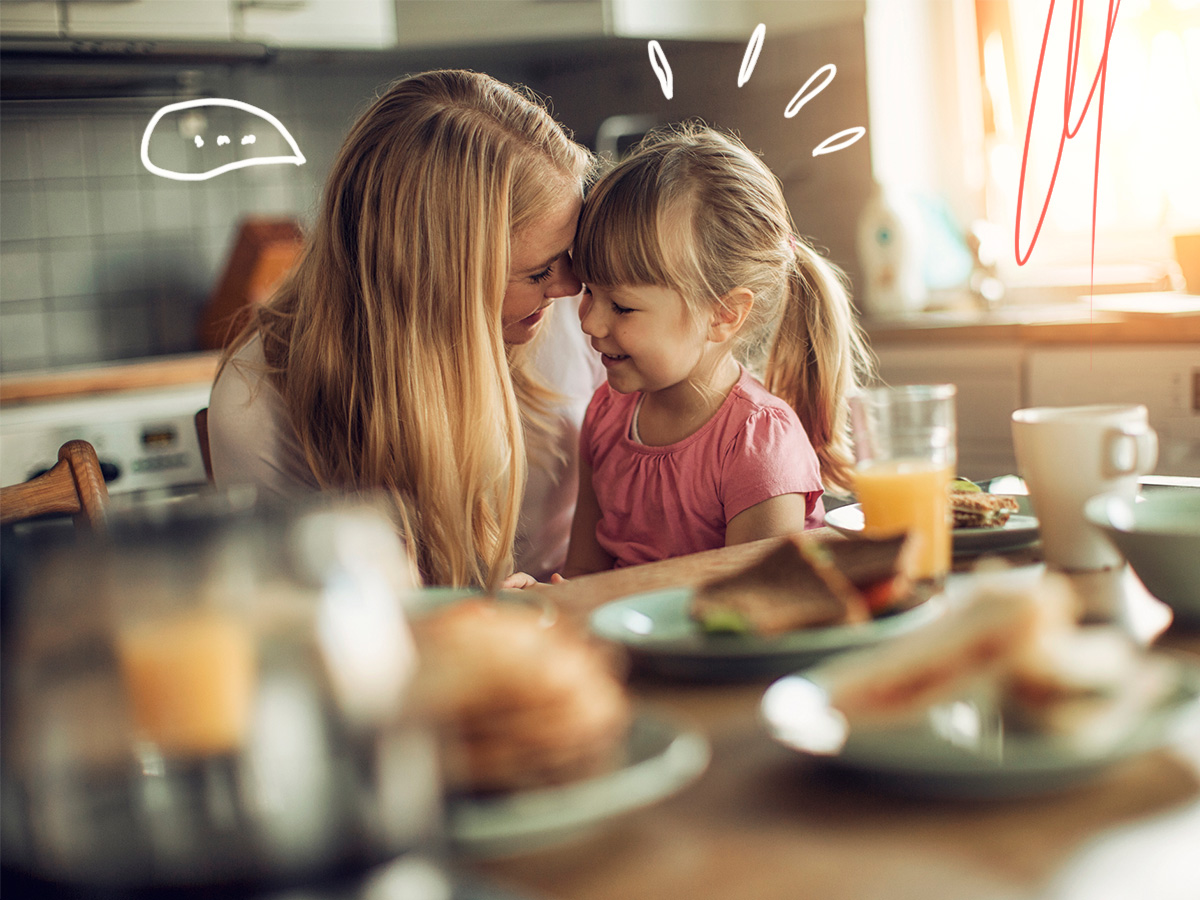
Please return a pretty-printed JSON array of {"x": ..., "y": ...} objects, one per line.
[{"x": 145, "y": 438}]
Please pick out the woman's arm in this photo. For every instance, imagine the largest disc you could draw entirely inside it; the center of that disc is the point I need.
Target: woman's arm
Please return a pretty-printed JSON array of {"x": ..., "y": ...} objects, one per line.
[
  {"x": 775, "y": 517},
  {"x": 585, "y": 554}
]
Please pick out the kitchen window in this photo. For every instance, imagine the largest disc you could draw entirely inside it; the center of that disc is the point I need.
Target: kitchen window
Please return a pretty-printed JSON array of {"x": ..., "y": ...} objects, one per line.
[
  {"x": 950, "y": 84},
  {"x": 1149, "y": 180}
]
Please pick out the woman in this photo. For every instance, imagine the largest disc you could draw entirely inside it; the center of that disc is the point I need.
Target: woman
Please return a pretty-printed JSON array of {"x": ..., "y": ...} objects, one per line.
[{"x": 405, "y": 352}]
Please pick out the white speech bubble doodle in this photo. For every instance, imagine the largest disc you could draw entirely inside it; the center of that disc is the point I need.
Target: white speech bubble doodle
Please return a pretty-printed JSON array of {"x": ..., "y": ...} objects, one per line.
[
  {"x": 296, "y": 159},
  {"x": 662, "y": 68},
  {"x": 750, "y": 59}
]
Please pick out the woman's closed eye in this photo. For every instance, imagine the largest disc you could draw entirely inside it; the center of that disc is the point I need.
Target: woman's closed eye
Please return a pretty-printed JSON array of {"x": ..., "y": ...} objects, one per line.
[{"x": 539, "y": 277}]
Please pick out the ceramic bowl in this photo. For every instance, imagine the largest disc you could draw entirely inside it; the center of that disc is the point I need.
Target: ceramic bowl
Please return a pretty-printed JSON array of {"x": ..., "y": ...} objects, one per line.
[{"x": 1159, "y": 533}]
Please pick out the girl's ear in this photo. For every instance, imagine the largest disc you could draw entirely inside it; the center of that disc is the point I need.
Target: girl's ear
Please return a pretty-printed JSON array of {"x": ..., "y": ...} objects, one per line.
[{"x": 730, "y": 314}]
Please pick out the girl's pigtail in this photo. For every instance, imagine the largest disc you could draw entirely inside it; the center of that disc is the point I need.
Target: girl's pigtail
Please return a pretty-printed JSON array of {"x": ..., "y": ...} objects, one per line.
[{"x": 818, "y": 359}]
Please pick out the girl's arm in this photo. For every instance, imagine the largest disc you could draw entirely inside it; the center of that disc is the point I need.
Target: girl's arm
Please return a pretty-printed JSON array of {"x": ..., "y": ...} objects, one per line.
[
  {"x": 585, "y": 554},
  {"x": 775, "y": 517}
]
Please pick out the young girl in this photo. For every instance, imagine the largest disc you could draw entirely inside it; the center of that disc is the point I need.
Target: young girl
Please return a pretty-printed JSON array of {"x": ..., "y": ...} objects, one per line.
[{"x": 694, "y": 276}]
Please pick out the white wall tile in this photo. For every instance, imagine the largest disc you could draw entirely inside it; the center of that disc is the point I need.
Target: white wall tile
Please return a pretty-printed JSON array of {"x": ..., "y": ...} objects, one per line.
[
  {"x": 68, "y": 212},
  {"x": 61, "y": 149},
  {"x": 72, "y": 272},
  {"x": 114, "y": 147},
  {"x": 22, "y": 341},
  {"x": 14, "y": 151},
  {"x": 21, "y": 276},
  {"x": 20, "y": 214}
]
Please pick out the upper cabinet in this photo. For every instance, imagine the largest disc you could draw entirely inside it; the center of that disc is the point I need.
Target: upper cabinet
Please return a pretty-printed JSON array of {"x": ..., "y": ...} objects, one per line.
[
  {"x": 192, "y": 20},
  {"x": 29, "y": 19},
  {"x": 410, "y": 24},
  {"x": 320, "y": 24},
  {"x": 428, "y": 23}
]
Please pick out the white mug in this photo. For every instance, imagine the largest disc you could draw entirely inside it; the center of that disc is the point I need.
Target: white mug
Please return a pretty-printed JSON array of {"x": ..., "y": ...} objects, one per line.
[{"x": 1071, "y": 453}]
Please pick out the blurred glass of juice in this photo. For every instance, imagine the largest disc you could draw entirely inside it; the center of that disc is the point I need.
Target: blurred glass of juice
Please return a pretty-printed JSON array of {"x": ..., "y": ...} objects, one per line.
[{"x": 905, "y": 447}]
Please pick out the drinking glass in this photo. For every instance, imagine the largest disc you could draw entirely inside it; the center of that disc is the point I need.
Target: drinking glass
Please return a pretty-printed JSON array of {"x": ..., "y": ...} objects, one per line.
[{"x": 905, "y": 457}]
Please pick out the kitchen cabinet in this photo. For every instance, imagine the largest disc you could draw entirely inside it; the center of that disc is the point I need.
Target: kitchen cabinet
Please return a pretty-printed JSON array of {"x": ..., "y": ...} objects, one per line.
[
  {"x": 193, "y": 20},
  {"x": 426, "y": 23},
  {"x": 325, "y": 24},
  {"x": 19, "y": 18},
  {"x": 988, "y": 376},
  {"x": 1165, "y": 379}
]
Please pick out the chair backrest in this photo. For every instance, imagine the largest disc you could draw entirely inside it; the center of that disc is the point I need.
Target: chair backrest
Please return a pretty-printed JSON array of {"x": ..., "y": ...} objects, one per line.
[
  {"x": 202, "y": 436},
  {"x": 74, "y": 485}
]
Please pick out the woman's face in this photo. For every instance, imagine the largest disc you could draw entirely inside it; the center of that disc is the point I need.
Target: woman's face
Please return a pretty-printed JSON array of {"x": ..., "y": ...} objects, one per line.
[{"x": 541, "y": 270}]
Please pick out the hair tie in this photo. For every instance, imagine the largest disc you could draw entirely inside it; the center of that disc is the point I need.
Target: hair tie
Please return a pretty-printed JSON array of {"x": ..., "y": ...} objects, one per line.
[{"x": 793, "y": 243}]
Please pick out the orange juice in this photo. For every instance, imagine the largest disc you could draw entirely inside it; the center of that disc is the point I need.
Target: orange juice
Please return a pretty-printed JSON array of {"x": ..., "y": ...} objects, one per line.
[
  {"x": 909, "y": 495},
  {"x": 190, "y": 678}
]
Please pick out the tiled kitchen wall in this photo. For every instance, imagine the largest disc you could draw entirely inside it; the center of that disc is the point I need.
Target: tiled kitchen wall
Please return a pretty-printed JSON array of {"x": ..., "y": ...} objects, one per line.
[{"x": 102, "y": 260}]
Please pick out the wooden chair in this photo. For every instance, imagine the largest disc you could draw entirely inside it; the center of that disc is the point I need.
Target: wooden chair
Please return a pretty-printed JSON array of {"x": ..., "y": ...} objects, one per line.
[
  {"x": 74, "y": 485},
  {"x": 202, "y": 436}
]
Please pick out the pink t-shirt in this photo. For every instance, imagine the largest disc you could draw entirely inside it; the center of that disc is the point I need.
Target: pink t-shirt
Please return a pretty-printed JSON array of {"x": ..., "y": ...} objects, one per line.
[{"x": 660, "y": 502}]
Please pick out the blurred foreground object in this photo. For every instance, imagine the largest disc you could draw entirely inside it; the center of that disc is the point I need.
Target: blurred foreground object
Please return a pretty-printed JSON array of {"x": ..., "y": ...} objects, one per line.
[
  {"x": 215, "y": 696},
  {"x": 519, "y": 702}
]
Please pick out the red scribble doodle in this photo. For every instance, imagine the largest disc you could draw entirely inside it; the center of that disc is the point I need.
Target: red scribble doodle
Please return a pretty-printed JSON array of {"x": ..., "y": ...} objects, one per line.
[{"x": 1067, "y": 131}]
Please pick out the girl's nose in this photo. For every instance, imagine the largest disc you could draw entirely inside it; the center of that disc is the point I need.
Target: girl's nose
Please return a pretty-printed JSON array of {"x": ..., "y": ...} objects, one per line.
[{"x": 590, "y": 319}]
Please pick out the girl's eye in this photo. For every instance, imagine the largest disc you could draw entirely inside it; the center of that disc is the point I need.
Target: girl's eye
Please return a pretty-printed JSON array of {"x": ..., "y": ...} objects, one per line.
[{"x": 621, "y": 310}]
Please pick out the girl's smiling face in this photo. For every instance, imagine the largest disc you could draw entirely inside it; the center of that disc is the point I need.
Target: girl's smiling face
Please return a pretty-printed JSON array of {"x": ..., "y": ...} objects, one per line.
[{"x": 648, "y": 338}]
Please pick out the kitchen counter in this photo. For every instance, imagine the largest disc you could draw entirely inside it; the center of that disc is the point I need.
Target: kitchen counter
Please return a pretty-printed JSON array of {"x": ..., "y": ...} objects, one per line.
[
  {"x": 1109, "y": 319},
  {"x": 152, "y": 372}
]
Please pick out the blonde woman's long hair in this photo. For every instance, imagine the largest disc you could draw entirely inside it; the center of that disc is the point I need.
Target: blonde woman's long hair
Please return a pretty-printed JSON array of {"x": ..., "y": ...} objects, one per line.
[
  {"x": 693, "y": 209},
  {"x": 386, "y": 340}
]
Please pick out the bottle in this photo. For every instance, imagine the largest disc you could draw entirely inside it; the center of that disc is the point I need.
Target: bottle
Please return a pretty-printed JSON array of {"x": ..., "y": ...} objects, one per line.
[{"x": 890, "y": 252}]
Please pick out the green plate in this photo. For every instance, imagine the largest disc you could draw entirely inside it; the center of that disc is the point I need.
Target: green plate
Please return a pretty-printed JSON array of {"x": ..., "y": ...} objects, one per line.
[
  {"x": 662, "y": 638},
  {"x": 963, "y": 748}
]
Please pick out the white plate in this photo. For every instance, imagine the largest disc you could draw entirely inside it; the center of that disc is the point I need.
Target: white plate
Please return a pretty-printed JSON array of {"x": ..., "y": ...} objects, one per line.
[
  {"x": 660, "y": 759},
  {"x": 656, "y": 628},
  {"x": 962, "y": 749},
  {"x": 1018, "y": 531}
]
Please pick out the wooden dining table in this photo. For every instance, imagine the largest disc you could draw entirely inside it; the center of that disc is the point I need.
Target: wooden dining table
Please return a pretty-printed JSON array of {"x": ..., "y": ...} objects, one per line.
[{"x": 764, "y": 822}]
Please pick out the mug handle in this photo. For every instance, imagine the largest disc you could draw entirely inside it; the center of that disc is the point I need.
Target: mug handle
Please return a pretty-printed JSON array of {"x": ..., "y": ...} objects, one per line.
[{"x": 1129, "y": 450}]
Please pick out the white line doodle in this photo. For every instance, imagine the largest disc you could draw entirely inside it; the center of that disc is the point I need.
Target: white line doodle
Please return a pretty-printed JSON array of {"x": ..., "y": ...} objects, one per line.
[
  {"x": 296, "y": 159},
  {"x": 839, "y": 141},
  {"x": 750, "y": 59},
  {"x": 662, "y": 68},
  {"x": 222, "y": 140},
  {"x": 803, "y": 95},
  {"x": 248, "y": 139},
  {"x": 199, "y": 141}
]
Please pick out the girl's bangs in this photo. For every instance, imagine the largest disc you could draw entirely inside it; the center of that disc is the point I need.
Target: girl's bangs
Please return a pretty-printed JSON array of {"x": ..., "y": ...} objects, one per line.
[{"x": 618, "y": 240}]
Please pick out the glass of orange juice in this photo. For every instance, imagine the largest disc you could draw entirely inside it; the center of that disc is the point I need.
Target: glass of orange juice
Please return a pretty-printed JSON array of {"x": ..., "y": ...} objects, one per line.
[{"x": 905, "y": 452}]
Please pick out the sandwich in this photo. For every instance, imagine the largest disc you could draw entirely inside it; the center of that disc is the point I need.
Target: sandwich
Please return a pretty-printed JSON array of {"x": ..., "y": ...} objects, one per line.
[
  {"x": 1015, "y": 644},
  {"x": 803, "y": 584},
  {"x": 977, "y": 509}
]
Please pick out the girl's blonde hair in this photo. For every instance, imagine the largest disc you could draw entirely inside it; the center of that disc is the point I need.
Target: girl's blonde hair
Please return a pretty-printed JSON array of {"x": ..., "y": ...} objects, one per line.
[
  {"x": 386, "y": 340},
  {"x": 694, "y": 210}
]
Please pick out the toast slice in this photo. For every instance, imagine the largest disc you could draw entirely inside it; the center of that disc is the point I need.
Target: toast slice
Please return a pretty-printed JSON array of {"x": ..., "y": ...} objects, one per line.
[{"x": 976, "y": 509}]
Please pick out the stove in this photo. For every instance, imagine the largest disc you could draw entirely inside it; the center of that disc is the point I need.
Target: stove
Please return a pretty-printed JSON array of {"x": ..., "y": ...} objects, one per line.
[{"x": 145, "y": 439}]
